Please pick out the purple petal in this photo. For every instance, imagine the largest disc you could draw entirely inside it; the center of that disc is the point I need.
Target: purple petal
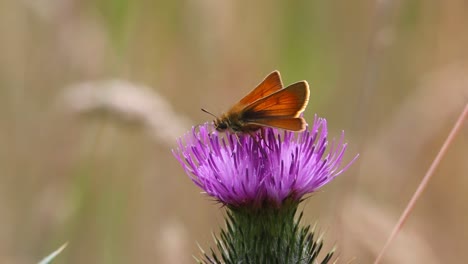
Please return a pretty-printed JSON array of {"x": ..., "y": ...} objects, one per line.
[{"x": 258, "y": 170}]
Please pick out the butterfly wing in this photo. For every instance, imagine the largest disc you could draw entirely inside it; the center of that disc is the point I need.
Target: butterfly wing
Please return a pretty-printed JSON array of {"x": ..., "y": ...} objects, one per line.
[
  {"x": 294, "y": 124},
  {"x": 271, "y": 84},
  {"x": 281, "y": 109},
  {"x": 286, "y": 103}
]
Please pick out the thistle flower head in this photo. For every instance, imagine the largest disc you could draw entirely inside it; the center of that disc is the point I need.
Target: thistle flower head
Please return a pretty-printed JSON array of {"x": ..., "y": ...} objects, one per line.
[{"x": 269, "y": 169}]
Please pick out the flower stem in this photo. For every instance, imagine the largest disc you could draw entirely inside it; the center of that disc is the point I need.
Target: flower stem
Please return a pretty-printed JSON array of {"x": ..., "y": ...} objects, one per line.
[{"x": 266, "y": 236}]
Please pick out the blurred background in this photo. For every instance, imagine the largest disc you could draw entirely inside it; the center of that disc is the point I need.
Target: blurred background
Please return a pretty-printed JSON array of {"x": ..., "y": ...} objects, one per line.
[{"x": 93, "y": 95}]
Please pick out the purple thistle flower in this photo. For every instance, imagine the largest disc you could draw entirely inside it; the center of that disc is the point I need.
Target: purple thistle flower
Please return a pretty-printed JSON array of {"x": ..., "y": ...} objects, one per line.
[{"x": 266, "y": 170}]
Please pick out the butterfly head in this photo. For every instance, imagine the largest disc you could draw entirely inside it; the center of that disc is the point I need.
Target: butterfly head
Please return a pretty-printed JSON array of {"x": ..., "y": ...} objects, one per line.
[{"x": 221, "y": 124}]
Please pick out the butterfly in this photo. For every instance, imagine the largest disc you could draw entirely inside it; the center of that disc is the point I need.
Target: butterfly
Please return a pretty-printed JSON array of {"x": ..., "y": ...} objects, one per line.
[{"x": 268, "y": 105}]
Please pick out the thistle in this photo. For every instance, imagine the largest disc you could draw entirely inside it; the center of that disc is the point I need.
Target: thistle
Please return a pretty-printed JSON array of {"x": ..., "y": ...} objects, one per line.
[{"x": 261, "y": 179}]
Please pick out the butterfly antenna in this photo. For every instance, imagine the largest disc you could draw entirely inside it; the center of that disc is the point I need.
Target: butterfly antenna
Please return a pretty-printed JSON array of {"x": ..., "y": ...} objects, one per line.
[{"x": 209, "y": 113}]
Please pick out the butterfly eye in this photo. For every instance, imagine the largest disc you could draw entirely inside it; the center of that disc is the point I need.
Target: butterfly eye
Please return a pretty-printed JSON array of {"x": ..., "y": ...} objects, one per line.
[{"x": 221, "y": 127}]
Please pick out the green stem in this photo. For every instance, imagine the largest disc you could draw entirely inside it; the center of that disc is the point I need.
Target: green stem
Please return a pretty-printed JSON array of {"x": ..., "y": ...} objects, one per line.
[{"x": 266, "y": 236}]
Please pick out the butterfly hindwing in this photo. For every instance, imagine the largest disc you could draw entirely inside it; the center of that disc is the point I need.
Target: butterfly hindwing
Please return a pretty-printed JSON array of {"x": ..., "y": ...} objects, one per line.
[{"x": 294, "y": 124}]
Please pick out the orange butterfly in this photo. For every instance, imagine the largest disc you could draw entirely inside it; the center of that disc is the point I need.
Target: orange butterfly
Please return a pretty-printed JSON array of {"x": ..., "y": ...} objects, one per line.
[{"x": 270, "y": 105}]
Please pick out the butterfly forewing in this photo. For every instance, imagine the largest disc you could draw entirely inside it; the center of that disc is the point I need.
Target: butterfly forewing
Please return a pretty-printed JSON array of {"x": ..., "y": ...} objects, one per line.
[
  {"x": 289, "y": 102},
  {"x": 269, "y": 104},
  {"x": 271, "y": 84}
]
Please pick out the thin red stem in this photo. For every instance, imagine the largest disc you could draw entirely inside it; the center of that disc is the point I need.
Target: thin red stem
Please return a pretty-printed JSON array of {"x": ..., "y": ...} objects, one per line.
[{"x": 422, "y": 186}]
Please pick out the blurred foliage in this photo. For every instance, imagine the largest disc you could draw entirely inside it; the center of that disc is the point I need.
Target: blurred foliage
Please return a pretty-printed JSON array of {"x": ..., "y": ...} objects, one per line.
[{"x": 116, "y": 13}]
